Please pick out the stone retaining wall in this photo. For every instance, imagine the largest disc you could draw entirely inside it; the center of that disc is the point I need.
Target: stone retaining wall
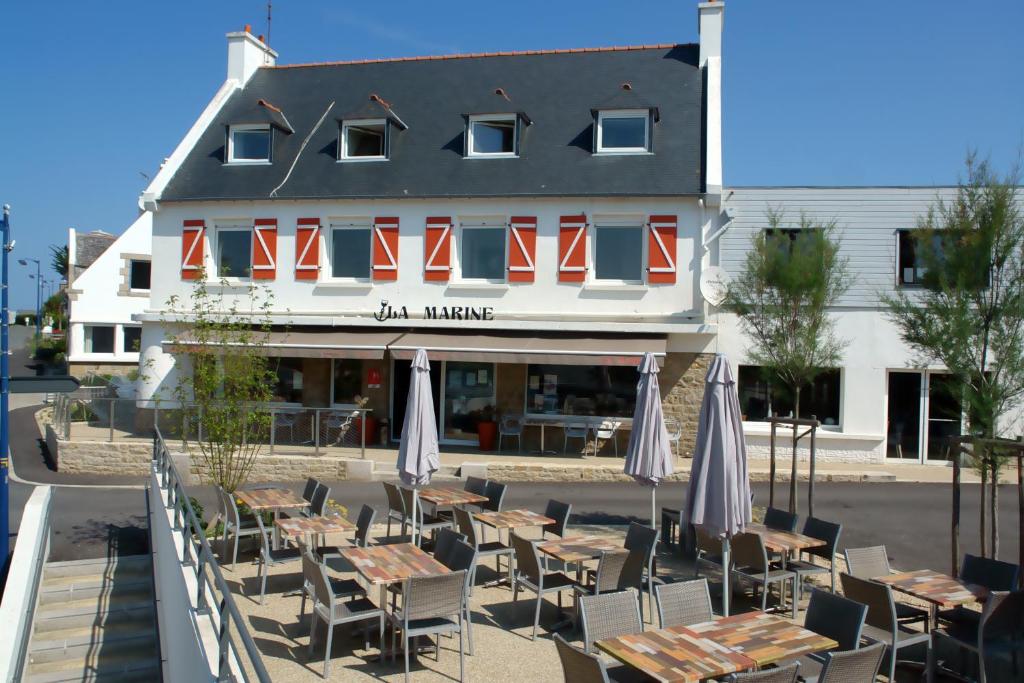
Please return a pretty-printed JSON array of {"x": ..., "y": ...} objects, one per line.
[{"x": 122, "y": 458}]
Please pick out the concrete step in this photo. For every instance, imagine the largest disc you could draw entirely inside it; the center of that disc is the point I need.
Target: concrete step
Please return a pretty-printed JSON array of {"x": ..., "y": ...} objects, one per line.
[
  {"x": 140, "y": 672},
  {"x": 118, "y": 566},
  {"x": 102, "y": 630},
  {"x": 117, "y": 655},
  {"x": 95, "y": 604},
  {"x": 56, "y": 619}
]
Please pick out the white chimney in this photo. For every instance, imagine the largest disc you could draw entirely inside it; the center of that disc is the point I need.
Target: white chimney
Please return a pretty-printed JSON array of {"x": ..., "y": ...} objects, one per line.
[
  {"x": 710, "y": 18},
  {"x": 246, "y": 53}
]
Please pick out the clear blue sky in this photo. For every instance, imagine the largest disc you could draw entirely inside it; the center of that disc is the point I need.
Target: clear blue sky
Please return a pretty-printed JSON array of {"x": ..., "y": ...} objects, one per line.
[{"x": 820, "y": 93}]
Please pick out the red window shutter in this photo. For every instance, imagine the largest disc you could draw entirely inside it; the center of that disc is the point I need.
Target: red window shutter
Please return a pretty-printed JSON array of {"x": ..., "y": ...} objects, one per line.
[
  {"x": 193, "y": 246},
  {"x": 661, "y": 250},
  {"x": 264, "y": 249},
  {"x": 307, "y": 249},
  {"x": 385, "y": 248},
  {"x": 437, "y": 249},
  {"x": 522, "y": 249},
  {"x": 572, "y": 249}
]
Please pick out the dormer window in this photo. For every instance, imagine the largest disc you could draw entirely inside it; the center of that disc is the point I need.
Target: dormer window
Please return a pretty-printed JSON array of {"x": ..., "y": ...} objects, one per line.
[
  {"x": 624, "y": 131},
  {"x": 249, "y": 144},
  {"x": 493, "y": 135},
  {"x": 364, "y": 140}
]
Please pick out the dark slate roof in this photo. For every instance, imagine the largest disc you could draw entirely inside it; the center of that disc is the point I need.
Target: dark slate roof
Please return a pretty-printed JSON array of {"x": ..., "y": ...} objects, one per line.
[
  {"x": 89, "y": 246},
  {"x": 557, "y": 90}
]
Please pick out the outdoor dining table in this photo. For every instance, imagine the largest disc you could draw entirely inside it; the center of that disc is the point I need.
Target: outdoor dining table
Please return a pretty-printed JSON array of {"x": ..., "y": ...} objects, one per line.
[
  {"x": 314, "y": 526},
  {"x": 687, "y": 654},
  {"x": 513, "y": 519},
  {"x": 784, "y": 542},
  {"x": 383, "y": 565},
  {"x": 449, "y": 497},
  {"x": 939, "y": 590},
  {"x": 275, "y": 499},
  {"x": 576, "y": 549}
]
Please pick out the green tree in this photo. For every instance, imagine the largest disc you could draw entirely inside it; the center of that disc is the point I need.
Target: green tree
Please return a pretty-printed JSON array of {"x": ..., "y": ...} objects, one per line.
[
  {"x": 969, "y": 314},
  {"x": 225, "y": 379},
  {"x": 59, "y": 260},
  {"x": 782, "y": 296}
]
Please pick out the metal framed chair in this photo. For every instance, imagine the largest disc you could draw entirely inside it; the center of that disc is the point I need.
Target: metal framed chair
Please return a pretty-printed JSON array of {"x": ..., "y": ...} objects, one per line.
[
  {"x": 750, "y": 561},
  {"x": 608, "y": 577},
  {"x": 882, "y": 625},
  {"x": 433, "y": 605},
  {"x": 318, "y": 502},
  {"x": 309, "y": 489},
  {"x": 683, "y": 603},
  {"x": 709, "y": 551},
  {"x": 234, "y": 524},
  {"x": 340, "y": 588},
  {"x": 285, "y": 420},
  {"x": 531, "y": 574},
  {"x": 396, "y": 507},
  {"x": 444, "y": 544},
  {"x": 609, "y": 615},
  {"x": 825, "y": 531},
  {"x": 575, "y": 430},
  {"x": 579, "y": 666},
  {"x": 781, "y": 674},
  {"x": 675, "y": 432},
  {"x": 424, "y": 522},
  {"x": 271, "y": 558},
  {"x": 327, "y": 608},
  {"x": 511, "y": 426},
  {"x": 852, "y": 666},
  {"x": 559, "y": 512},
  {"x": 462, "y": 558},
  {"x": 496, "y": 549},
  {"x": 476, "y": 485},
  {"x": 873, "y": 561},
  {"x": 836, "y": 617},
  {"x": 983, "y": 571},
  {"x": 495, "y": 492},
  {"x": 644, "y": 539},
  {"x": 780, "y": 520},
  {"x": 1000, "y": 629},
  {"x": 607, "y": 430}
]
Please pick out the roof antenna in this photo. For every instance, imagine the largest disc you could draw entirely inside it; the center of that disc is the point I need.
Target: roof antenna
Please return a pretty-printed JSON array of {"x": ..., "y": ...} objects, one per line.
[{"x": 269, "y": 7}]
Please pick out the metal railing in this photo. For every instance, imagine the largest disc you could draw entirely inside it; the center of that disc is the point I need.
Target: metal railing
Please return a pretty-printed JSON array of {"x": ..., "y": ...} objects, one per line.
[{"x": 198, "y": 555}]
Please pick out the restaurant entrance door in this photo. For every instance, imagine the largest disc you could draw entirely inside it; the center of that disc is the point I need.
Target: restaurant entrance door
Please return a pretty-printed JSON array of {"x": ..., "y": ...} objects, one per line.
[
  {"x": 401, "y": 370},
  {"x": 463, "y": 394}
]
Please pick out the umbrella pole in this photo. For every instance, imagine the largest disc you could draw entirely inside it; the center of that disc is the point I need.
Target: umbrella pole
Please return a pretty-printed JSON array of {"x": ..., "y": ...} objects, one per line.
[
  {"x": 415, "y": 495},
  {"x": 726, "y": 590},
  {"x": 654, "y": 524}
]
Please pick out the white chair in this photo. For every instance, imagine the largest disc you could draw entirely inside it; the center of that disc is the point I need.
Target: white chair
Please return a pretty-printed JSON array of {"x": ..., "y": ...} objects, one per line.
[
  {"x": 608, "y": 430},
  {"x": 675, "y": 432},
  {"x": 575, "y": 430},
  {"x": 511, "y": 425},
  {"x": 339, "y": 421},
  {"x": 287, "y": 421}
]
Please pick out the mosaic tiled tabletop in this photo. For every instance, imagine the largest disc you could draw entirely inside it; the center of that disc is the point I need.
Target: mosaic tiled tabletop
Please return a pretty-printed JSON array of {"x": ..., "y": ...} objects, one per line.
[
  {"x": 513, "y": 519},
  {"x": 934, "y": 587},
  {"x": 675, "y": 655},
  {"x": 270, "y": 499},
  {"x": 382, "y": 564},
  {"x": 764, "y": 638},
  {"x": 784, "y": 541},
  {"x": 579, "y": 548},
  {"x": 301, "y": 526},
  {"x": 447, "y": 496}
]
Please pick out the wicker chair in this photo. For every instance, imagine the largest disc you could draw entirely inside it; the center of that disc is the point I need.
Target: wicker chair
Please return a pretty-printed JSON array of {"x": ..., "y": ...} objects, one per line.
[
  {"x": 852, "y": 666},
  {"x": 234, "y": 525},
  {"x": 609, "y": 615},
  {"x": 396, "y": 507},
  {"x": 424, "y": 522},
  {"x": 873, "y": 561},
  {"x": 496, "y": 549},
  {"x": 433, "y": 605},
  {"x": 318, "y": 504},
  {"x": 780, "y": 520},
  {"x": 340, "y": 588},
  {"x": 750, "y": 561},
  {"x": 362, "y": 536},
  {"x": 835, "y": 617},
  {"x": 643, "y": 539},
  {"x": 683, "y": 603},
  {"x": 495, "y": 492},
  {"x": 328, "y": 609},
  {"x": 559, "y": 512},
  {"x": 782, "y": 674},
  {"x": 271, "y": 558},
  {"x": 444, "y": 545},
  {"x": 824, "y": 531},
  {"x": 309, "y": 489},
  {"x": 531, "y": 574},
  {"x": 583, "y": 667},
  {"x": 983, "y": 571},
  {"x": 882, "y": 625},
  {"x": 475, "y": 485},
  {"x": 608, "y": 577},
  {"x": 463, "y": 558},
  {"x": 1000, "y": 628},
  {"x": 709, "y": 551}
]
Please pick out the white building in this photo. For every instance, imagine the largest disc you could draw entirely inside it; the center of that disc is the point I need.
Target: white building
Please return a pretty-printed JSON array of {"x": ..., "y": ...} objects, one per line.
[{"x": 105, "y": 291}]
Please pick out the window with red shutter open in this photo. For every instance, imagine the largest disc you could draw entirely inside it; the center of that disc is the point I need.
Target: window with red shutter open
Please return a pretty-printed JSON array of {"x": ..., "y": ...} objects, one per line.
[
  {"x": 661, "y": 250},
  {"x": 385, "y": 248},
  {"x": 264, "y": 249},
  {"x": 572, "y": 249},
  {"x": 522, "y": 249},
  {"x": 307, "y": 249},
  {"x": 193, "y": 249},
  {"x": 437, "y": 249}
]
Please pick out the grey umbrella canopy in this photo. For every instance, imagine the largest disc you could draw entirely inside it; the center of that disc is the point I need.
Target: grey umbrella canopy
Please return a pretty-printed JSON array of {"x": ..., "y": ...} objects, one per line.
[
  {"x": 418, "y": 453},
  {"x": 649, "y": 457},
  {"x": 719, "y": 496}
]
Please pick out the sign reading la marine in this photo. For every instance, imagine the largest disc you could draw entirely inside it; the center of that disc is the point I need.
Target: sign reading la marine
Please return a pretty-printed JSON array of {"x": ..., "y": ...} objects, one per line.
[{"x": 468, "y": 313}]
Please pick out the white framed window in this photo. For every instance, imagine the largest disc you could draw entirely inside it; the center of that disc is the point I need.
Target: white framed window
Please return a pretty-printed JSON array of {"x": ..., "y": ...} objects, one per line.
[
  {"x": 618, "y": 251},
  {"x": 482, "y": 248},
  {"x": 232, "y": 252},
  {"x": 351, "y": 243},
  {"x": 139, "y": 272},
  {"x": 624, "y": 131},
  {"x": 492, "y": 135},
  {"x": 364, "y": 140},
  {"x": 99, "y": 339},
  {"x": 131, "y": 338},
  {"x": 249, "y": 144}
]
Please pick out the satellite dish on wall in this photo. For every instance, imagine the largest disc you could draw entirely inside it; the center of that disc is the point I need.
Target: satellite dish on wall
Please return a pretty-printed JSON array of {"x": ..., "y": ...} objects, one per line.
[{"x": 714, "y": 284}]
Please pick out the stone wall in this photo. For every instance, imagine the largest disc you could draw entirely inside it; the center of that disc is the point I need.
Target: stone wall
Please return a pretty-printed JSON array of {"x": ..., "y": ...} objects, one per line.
[
  {"x": 286, "y": 468},
  {"x": 829, "y": 448},
  {"x": 682, "y": 389},
  {"x": 122, "y": 458},
  {"x": 80, "y": 370}
]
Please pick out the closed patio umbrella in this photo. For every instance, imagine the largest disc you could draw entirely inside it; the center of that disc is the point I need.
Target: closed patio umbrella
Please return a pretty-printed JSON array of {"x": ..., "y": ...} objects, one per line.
[
  {"x": 649, "y": 458},
  {"x": 719, "y": 496},
  {"x": 418, "y": 454}
]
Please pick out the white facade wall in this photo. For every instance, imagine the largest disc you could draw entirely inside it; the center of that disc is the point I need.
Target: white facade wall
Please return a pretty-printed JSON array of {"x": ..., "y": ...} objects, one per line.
[{"x": 100, "y": 295}]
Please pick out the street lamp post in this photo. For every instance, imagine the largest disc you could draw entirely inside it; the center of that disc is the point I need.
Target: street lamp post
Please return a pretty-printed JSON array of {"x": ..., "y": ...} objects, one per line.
[
  {"x": 5, "y": 390},
  {"x": 39, "y": 295}
]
